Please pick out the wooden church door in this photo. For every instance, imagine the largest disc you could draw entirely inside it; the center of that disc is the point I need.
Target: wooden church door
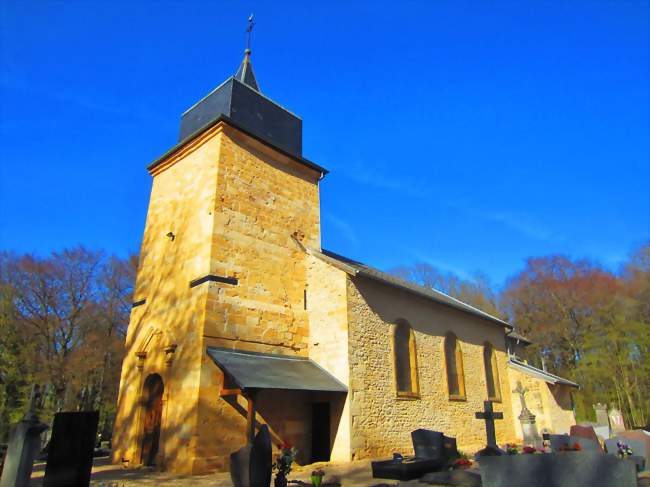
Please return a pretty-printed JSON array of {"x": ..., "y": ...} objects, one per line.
[{"x": 153, "y": 395}]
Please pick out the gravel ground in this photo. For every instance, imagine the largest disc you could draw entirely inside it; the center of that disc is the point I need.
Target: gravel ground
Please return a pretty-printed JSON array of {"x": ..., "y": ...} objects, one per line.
[{"x": 352, "y": 474}]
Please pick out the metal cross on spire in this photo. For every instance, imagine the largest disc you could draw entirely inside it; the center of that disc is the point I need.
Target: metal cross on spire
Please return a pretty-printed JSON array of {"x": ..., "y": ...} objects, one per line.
[{"x": 249, "y": 31}]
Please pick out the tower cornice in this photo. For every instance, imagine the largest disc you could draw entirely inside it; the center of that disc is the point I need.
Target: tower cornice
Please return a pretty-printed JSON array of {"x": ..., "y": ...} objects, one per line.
[{"x": 189, "y": 144}]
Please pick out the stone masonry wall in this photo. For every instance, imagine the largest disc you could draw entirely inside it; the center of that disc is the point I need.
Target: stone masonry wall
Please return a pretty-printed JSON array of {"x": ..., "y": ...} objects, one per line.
[
  {"x": 164, "y": 334},
  {"x": 382, "y": 422},
  {"x": 266, "y": 207},
  {"x": 551, "y": 404},
  {"x": 328, "y": 342}
]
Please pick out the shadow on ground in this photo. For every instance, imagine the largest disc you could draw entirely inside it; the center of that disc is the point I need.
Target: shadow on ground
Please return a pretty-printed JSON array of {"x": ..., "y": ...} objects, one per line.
[{"x": 105, "y": 474}]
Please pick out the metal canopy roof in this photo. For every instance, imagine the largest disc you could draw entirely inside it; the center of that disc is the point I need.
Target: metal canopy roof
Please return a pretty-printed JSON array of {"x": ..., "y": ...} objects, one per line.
[
  {"x": 540, "y": 374},
  {"x": 251, "y": 370}
]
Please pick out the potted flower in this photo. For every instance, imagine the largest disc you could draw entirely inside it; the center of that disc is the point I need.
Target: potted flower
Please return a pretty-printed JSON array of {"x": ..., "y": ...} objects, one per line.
[
  {"x": 623, "y": 449},
  {"x": 283, "y": 463},
  {"x": 317, "y": 477},
  {"x": 511, "y": 449},
  {"x": 462, "y": 463}
]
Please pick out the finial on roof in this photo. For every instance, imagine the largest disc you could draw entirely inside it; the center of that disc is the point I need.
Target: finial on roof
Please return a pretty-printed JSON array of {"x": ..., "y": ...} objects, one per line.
[
  {"x": 245, "y": 71},
  {"x": 249, "y": 30}
]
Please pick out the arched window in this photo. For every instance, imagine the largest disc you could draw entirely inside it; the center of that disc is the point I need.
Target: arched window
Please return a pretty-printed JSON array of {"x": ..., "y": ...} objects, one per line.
[
  {"x": 491, "y": 373},
  {"x": 454, "y": 363},
  {"x": 406, "y": 374}
]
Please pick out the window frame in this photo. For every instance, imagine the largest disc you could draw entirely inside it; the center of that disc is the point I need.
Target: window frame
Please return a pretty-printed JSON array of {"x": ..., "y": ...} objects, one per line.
[
  {"x": 414, "y": 393},
  {"x": 493, "y": 365},
  {"x": 460, "y": 370}
]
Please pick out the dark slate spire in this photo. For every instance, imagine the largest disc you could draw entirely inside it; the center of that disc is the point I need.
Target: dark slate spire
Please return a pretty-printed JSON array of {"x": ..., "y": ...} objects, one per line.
[
  {"x": 245, "y": 72},
  {"x": 239, "y": 102}
]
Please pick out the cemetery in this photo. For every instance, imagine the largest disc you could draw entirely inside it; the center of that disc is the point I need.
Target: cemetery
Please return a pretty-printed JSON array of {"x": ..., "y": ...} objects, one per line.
[{"x": 254, "y": 357}]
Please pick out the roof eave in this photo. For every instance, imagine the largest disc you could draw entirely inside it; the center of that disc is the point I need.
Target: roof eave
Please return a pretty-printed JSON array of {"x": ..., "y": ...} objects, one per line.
[
  {"x": 223, "y": 118},
  {"x": 541, "y": 374},
  {"x": 352, "y": 271}
]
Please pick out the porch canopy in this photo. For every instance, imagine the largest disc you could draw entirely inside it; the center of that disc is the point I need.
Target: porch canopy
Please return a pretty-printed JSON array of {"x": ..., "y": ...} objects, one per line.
[{"x": 254, "y": 371}]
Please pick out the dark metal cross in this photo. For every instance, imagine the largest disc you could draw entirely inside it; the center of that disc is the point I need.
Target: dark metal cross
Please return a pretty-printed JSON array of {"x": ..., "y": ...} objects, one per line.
[
  {"x": 249, "y": 30},
  {"x": 489, "y": 416}
]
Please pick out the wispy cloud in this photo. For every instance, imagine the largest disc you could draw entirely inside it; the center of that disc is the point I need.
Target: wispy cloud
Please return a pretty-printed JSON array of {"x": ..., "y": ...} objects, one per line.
[
  {"x": 523, "y": 224},
  {"x": 360, "y": 173},
  {"x": 86, "y": 101},
  {"x": 344, "y": 229},
  {"x": 439, "y": 264}
]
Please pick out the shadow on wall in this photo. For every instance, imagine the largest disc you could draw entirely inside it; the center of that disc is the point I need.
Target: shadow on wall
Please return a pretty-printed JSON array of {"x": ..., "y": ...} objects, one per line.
[
  {"x": 562, "y": 396},
  {"x": 289, "y": 416},
  {"x": 427, "y": 316}
]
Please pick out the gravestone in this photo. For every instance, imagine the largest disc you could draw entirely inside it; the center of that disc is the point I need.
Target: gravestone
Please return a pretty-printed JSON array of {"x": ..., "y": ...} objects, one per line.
[
  {"x": 251, "y": 465},
  {"x": 433, "y": 444},
  {"x": 70, "y": 454},
  {"x": 527, "y": 419},
  {"x": 583, "y": 432},
  {"x": 575, "y": 469},
  {"x": 558, "y": 442},
  {"x": 601, "y": 414},
  {"x": 24, "y": 444},
  {"x": 616, "y": 422},
  {"x": 489, "y": 416}
]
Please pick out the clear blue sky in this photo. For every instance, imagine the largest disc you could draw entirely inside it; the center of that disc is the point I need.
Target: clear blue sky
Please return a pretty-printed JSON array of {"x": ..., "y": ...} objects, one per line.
[{"x": 466, "y": 134}]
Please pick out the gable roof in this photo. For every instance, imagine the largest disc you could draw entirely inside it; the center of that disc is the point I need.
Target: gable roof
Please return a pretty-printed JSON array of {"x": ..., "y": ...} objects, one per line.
[
  {"x": 539, "y": 373},
  {"x": 354, "y": 268}
]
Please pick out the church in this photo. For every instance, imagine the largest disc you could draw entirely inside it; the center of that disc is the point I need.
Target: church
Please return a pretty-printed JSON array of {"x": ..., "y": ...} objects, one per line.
[{"x": 240, "y": 318}]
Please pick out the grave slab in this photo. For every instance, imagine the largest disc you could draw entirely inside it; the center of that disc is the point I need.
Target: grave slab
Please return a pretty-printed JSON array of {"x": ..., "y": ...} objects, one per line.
[
  {"x": 575, "y": 469},
  {"x": 407, "y": 468},
  {"x": 638, "y": 448},
  {"x": 643, "y": 436},
  {"x": 460, "y": 478}
]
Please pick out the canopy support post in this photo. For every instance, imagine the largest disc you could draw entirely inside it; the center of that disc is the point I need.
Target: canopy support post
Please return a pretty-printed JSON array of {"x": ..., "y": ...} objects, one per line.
[{"x": 250, "y": 416}]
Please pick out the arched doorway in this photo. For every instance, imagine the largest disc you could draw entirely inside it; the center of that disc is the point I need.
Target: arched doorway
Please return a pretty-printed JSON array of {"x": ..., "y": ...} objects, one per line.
[{"x": 152, "y": 395}]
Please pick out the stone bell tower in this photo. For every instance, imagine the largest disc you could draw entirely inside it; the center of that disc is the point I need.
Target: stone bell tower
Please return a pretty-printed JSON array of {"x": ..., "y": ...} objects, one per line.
[{"x": 221, "y": 265}]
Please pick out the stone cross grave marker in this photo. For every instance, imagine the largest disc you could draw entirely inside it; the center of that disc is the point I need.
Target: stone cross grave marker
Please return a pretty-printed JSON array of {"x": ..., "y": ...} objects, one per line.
[
  {"x": 527, "y": 419},
  {"x": 489, "y": 416},
  {"x": 522, "y": 398}
]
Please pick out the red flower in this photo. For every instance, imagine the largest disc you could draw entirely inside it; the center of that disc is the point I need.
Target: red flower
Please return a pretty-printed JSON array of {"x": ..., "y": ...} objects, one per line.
[
  {"x": 286, "y": 445},
  {"x": 577, "y": 447},
  {"x": 529, "y": 449}
]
